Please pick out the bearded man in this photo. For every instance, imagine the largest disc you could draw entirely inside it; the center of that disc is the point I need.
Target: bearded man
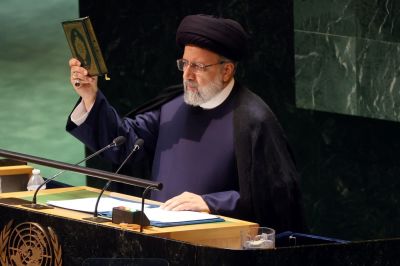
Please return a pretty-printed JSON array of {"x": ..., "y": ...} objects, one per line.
[{"x": 217, "y": 148}]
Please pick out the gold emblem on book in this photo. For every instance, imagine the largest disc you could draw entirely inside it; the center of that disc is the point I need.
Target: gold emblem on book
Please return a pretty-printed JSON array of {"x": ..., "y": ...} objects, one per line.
[{"x": 29, "y": 244}]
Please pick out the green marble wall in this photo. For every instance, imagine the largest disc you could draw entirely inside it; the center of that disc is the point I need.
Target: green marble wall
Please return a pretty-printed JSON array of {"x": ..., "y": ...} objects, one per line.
[
  {"x": 347, "y": 57},
  {"x": 35, "y": 95}
]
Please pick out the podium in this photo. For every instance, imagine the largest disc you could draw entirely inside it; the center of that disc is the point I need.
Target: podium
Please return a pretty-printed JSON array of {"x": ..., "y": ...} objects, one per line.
[
  {"x": 61, "y": 237},
  {"x": 80, "y": 239}
]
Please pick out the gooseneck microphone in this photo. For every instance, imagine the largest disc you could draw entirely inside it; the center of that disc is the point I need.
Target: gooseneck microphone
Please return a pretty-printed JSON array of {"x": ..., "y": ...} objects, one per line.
[
  {"x": 137, "y": 146},
  {"x": 116, "y": 142}
]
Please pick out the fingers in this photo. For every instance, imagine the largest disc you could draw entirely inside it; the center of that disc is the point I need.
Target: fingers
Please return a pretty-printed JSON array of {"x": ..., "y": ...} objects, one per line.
[
  {"x": 80, "y": 75},
  {"x": 79, "y": 72},
  {"x": 76, "y": 78},
  {"x": 80, "y": 81},
  {"x": 84, "y": 84},
  {"x": 186, "y": 202},
  {"x": 173, "y": 203},
  {"x": 74, "y": 62}
]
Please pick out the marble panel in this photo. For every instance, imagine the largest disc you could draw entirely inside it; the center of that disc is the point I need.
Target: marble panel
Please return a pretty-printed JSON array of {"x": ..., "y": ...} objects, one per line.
[
  {"x": 326, "y": 16},
  {"x": 325, "y": 72},
  {"x": 373, "y": 19},
  {"x": 378, "y": 87},
  {"x": 378, "y": 20},
  {"x": 347, "y": 75}
]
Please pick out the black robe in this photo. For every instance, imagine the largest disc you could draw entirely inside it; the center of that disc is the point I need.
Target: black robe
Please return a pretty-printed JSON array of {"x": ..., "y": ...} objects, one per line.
[{"x": 269, "y": 184}]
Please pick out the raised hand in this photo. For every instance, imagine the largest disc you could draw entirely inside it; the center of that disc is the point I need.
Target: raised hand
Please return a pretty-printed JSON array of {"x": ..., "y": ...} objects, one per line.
[{"x": 84, "y": 84}]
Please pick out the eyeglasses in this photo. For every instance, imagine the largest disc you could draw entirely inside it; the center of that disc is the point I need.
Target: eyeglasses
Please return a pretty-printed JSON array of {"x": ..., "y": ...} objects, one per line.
[{"x": 183, "y": 64}]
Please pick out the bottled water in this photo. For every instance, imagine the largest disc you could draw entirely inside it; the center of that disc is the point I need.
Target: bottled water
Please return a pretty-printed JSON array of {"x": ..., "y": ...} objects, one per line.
[{"x": 35, "y": 180}]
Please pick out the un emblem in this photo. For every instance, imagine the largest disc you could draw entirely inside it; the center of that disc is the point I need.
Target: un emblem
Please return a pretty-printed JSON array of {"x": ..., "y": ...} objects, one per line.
[{"x": 29, "y": 244}]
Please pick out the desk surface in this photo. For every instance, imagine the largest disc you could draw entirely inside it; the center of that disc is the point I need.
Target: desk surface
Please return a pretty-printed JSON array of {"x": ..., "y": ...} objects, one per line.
[{"x": 221, "y": 234}]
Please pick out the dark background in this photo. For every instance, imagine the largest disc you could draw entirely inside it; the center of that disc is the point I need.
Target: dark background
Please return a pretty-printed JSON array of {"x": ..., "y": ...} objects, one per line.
[{"x": 349, "y": 165}]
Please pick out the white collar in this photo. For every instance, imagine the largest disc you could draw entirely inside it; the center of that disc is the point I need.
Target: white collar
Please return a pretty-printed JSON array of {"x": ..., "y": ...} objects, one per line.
[{"x": 220, "y": 97}]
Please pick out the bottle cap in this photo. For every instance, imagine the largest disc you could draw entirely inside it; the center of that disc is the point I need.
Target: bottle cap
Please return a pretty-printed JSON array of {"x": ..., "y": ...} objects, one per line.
[{"x": 35, "y": 171}]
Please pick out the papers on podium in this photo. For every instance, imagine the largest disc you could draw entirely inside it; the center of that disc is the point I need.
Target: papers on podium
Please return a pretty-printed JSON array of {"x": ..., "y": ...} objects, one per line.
[
  {"x": 158, "y": 217},
  {"x": 162, "y": 218},
  {"x": 106, "y": 204}
]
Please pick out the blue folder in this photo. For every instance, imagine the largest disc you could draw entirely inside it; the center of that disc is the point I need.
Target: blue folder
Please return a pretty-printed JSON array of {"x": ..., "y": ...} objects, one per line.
[{"x": 164, "y": 224}]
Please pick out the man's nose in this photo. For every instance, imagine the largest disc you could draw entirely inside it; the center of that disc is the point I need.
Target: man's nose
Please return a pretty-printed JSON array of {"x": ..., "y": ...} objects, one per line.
[{"x": 188, "y": 73}]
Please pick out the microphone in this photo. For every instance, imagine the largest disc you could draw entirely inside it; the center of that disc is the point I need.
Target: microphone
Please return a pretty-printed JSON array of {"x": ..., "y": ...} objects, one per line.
[
  {"x": 137, "y": 146},
  {"x": 116, "y": 142}
]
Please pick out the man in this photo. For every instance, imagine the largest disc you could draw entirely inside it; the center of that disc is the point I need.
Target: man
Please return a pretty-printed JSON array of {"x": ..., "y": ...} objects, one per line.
[{"x": 217, "y": 148}]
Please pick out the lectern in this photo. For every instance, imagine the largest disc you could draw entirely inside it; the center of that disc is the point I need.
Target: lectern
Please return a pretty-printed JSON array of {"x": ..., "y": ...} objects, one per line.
[{"x": 62, "y": 237}]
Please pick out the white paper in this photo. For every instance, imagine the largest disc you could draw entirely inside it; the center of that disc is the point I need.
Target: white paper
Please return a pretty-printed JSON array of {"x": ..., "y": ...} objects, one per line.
[
  {"x": 163, "y": 216},
  {"x": 88, "y": 204},
  {"x": 154, "y": 214}
]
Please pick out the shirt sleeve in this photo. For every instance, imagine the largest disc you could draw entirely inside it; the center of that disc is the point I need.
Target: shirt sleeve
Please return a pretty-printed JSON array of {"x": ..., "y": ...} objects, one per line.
[
  {"x": 79, "y": 114},
  {"x": 223, "y": 203}
]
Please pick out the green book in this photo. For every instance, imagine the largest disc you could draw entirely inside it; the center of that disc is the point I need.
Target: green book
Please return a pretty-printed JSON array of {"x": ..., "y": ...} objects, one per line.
[{"x": 84, "y": 45}]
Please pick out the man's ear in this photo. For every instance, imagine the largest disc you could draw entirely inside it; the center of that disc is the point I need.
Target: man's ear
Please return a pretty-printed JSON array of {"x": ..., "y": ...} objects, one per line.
[{"x": 229, "y": 71}]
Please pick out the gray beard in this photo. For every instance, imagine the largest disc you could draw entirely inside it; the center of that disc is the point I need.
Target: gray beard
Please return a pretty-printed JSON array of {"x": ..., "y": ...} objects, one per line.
[{"x": 203, "y": 94}]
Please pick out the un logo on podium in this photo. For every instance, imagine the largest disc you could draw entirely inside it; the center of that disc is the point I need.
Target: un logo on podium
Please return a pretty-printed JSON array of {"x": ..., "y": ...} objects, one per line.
[{"x": 29, "y": 244}]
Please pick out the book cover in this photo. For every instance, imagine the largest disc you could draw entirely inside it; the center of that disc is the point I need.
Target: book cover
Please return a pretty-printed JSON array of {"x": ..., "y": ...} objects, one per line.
[{"x": 84, "y": 45}]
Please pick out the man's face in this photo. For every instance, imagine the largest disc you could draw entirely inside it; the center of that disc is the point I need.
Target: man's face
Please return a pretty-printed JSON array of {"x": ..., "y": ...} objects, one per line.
[{"x": 201, "y": 86}]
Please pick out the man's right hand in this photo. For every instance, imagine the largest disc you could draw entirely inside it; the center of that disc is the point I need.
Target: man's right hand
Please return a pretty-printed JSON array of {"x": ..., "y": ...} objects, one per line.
[{"x": 84, "y": 84}]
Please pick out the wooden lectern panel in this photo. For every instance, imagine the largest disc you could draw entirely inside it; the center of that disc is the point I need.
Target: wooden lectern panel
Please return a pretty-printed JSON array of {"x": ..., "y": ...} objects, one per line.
[
  {"x": 219, "y": 234},
  {"x": 14, "y": 178}
]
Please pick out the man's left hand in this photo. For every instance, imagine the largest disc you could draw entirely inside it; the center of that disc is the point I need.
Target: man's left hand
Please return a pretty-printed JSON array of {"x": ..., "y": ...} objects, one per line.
[{"x": 186, "y": 202}]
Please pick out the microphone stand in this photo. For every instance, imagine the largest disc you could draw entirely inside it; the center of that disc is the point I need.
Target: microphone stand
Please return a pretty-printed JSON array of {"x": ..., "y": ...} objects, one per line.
[
  {"x": 33, "y": 205},
  {"x": 138, "y": 144},
  {"x": 75, "y": 168},
  {"x": 142, "y": 214}
]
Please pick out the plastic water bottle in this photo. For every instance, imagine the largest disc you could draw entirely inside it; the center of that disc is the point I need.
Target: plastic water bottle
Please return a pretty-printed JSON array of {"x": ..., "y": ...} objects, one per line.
[{"x": 35, "y": 180}]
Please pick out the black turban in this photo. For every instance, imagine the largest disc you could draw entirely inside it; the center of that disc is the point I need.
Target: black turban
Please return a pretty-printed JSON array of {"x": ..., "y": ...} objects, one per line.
[{"x": 225, "y": 37}]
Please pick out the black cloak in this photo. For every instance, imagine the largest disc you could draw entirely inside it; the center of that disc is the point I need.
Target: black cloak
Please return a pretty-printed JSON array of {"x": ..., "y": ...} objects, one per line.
[{"x": 268, "y": 181}]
